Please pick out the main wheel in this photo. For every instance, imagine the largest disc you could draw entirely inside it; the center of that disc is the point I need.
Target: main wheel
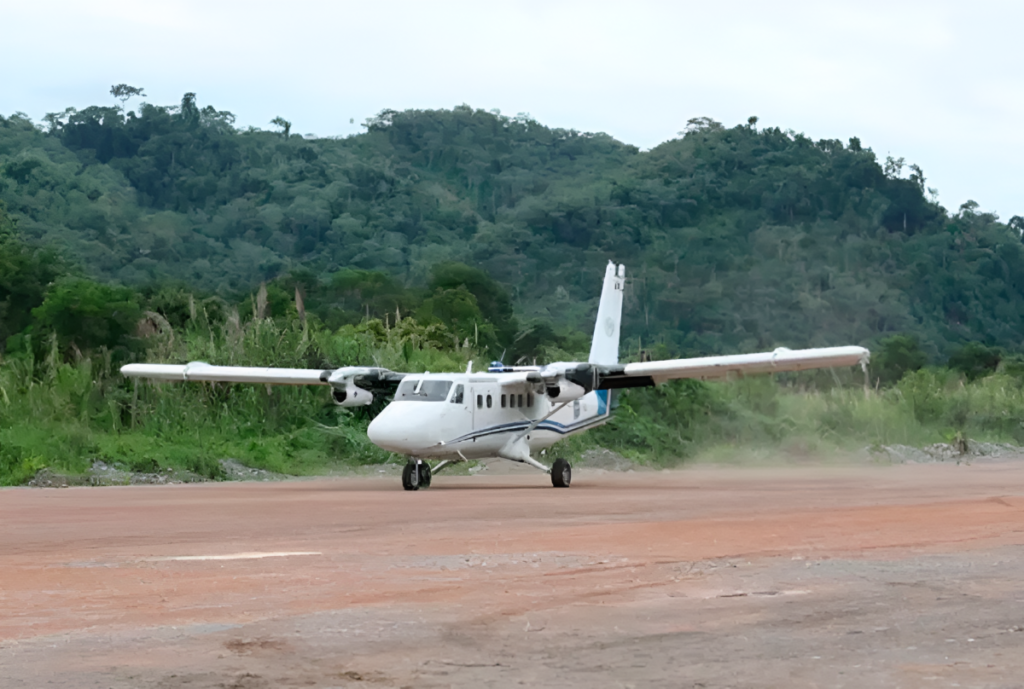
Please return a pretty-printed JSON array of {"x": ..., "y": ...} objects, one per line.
[
  {"x": 561, "y": 473},
  {"x": 425, "y": 474}
]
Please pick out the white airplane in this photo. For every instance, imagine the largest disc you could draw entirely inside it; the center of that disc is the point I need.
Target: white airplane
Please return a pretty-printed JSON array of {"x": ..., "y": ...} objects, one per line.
[{"x": 510, "y": 412}]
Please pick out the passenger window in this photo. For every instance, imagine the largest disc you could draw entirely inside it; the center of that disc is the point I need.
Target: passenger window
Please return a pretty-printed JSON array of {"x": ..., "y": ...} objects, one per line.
[
  {"x": 520, "y": 400},
  {"x": 488, "y": 401},
  {"x": 502, "y": 401},
  {"x": 457, "y": 397},
  {"x": 529, "y": 399},
  {"x": 479, "y": 401}
]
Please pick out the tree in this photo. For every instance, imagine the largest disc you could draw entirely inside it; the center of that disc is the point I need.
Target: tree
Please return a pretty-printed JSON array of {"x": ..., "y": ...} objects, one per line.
[
  {"x": 8, "y": 227},
  {"x": 189, "y": 111},
  {"x": 917, "y": 176},
  {"x": 382, "y": 121},
  {"x": 893, "y": 167},
  {"x": 494, "y": 303},
  {"x": 702, "y": 124},
  {"x": 285, "y": 125},
  {"x": 25, "y": 274},
  {"x": 366, "y": 291},
  {"x": 458, "y": 309},
  {"x": 56, "y": 120},
  {"x": 896, "y": 355},
  {"x": 86, "y": 316},
  {"x": 968, "y": 209},
  {"x": 975, "y": 360},
  {"x": 124, "y": 92}
]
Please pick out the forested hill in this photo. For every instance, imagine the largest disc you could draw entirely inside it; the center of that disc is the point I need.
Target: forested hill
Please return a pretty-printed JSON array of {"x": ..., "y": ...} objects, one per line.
[{"x": 736, "y": 238}]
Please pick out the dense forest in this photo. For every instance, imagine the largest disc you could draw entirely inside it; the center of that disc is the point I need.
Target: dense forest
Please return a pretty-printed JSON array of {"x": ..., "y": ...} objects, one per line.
[{"x": 736, "y": 239}]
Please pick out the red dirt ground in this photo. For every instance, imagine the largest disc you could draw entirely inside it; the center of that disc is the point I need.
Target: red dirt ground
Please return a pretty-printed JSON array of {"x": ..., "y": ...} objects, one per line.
[{"x": 883, "y": 576}]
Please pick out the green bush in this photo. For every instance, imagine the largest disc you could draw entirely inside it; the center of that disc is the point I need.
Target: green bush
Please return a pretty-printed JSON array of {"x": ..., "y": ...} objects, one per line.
[
  {"x": 17, "y": 467},
  {"x": 896, "y": 356},
  {"x": 975, "y": 360}
]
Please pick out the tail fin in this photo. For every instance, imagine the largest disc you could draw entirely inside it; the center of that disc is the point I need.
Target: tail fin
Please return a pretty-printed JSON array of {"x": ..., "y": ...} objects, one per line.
[{"x": 605, "y": 347}]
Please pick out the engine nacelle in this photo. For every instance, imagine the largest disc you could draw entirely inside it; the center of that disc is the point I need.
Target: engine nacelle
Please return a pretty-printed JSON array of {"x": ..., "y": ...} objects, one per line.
[
  {"x": 351, "y": 395},
  {"x": 565, "y": 391}
]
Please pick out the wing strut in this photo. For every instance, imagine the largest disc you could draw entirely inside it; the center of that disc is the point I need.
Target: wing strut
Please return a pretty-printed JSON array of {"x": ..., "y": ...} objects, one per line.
[{"x": 516, "y": 449}]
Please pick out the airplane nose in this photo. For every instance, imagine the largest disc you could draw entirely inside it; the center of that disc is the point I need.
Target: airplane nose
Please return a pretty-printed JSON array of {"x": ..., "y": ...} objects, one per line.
[
  {"x": 378, "y": 431},
  {"x": 392, "y": 431}
]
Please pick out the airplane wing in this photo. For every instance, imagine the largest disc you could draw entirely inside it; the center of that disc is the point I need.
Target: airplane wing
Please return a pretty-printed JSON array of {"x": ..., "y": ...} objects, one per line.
[
  {"x": 611, "y": 376},
  {"x": 200, "y": 371},
  {"x": 350, "y": 383},
  {"x": 718, "y": 367}
]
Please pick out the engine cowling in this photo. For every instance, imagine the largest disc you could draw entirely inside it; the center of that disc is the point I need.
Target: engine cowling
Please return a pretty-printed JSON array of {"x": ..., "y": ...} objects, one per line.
[
  {"x": 565, "y": 391},
  {"x": 351, "y": 395}
]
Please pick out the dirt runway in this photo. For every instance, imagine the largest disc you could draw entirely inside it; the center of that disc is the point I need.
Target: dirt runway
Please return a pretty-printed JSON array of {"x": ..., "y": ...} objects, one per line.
[{"x": 909, "y": 576}]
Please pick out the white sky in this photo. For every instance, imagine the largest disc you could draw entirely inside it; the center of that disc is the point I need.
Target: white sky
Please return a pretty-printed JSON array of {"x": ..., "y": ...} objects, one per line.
[{"x": 940, "y": 83}]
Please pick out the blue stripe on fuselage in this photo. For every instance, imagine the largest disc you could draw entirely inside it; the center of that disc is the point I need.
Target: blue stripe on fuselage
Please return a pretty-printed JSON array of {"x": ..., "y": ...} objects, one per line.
[{"x": 548, "y": 425}]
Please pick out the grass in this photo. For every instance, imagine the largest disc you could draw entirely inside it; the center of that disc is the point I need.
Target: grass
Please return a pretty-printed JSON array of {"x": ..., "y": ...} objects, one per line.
[
  {"x": 759, "y": 420},
  {"x": 65, "y": 415}
]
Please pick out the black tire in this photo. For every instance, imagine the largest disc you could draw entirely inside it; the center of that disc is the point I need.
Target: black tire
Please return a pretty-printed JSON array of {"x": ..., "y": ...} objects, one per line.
[
  {"x": 407, "y": 477},
  {"x": 561, "y": 473},
  {"x": 425, "y": 475}
]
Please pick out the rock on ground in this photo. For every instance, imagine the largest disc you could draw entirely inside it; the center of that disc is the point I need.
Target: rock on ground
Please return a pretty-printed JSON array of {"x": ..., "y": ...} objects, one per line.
[
  {"x": 946, "y": 452},
  {"x": 103, "y": 474},
  {"x": 236, "y": 471}
]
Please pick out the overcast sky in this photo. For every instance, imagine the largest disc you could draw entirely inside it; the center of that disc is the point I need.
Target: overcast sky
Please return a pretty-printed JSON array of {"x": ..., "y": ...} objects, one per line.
[{"x": 939, "y": 83}]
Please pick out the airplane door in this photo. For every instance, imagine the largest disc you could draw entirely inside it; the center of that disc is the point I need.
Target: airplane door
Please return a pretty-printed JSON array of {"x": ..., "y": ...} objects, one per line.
[{"x": 465, "y": 398}]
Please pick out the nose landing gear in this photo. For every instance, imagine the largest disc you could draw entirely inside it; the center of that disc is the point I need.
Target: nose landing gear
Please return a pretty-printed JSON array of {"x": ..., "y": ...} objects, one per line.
[{"x": 416, "y": 475}]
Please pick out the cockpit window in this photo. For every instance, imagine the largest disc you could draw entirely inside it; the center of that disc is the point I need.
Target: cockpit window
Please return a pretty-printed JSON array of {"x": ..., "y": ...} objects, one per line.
[{"x": 428, "y": 390}]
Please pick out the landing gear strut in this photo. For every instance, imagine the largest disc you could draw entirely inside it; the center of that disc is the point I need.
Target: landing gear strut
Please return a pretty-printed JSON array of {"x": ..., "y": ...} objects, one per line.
[
  {"x": 416, "y": 475},
  {"x": 561, "y": 473}
]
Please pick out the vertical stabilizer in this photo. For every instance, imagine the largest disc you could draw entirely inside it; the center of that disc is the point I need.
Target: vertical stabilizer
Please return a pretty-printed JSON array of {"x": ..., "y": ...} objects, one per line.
[{"x": 605, "y": 347}]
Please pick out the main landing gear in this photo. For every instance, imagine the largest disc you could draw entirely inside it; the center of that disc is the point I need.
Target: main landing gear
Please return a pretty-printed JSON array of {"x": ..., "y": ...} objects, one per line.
[{"x": 561, "y": 473}]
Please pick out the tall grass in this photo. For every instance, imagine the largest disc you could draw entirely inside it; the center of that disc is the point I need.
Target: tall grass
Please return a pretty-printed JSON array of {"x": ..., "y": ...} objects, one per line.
[
  {"x": 666, "y": 425},
  {"x": 64, "y": 415}
]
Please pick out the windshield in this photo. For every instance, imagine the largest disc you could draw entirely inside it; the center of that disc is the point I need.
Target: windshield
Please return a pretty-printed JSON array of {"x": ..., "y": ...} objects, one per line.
[{"x": 429, "y": 391}]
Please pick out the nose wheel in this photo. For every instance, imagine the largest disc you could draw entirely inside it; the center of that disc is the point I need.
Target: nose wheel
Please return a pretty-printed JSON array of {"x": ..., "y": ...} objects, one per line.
[
  {"x": 561, "y": 473},
  {"x": 416, "y": 475}
]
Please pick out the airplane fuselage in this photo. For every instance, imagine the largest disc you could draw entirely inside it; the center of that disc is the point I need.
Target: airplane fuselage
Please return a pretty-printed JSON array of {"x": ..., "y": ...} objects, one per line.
[{"x": 474, "y": 416}]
